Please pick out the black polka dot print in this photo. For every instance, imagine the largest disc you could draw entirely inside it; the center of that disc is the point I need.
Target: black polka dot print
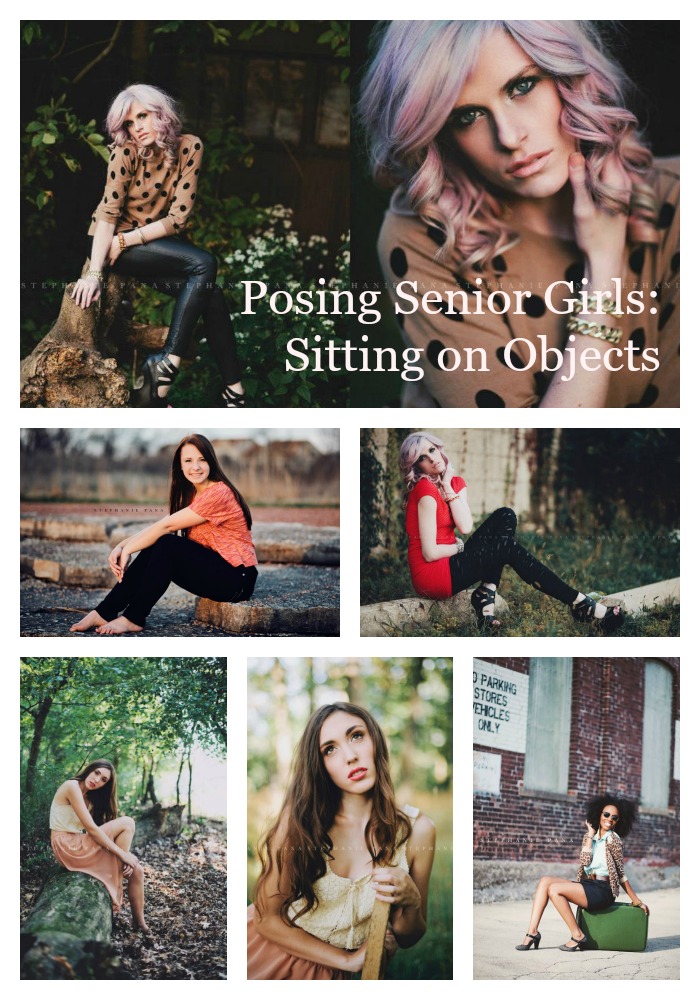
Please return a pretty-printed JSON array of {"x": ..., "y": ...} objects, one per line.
[
  {"x": 122, "y": 171},
  {"x": 485, "y": 398},
  {"x": 397, "y": 260},
  {"x": 638, "y": 339},
  {"x": 513, "y": 360},
  {"x": 115, "y": 195},
  {"x": 433, "y": 350},
  {"x": 197, "y": 145},
  {"x": 666, "y": 215},
  {"x": 185, "y": 186},
  {"x": 651, "y": 394},
  {"x": 149, "y": 220},
  {"x": 665, "y": 315},
  {"x": 499, "y": 263},
  {"x": 112, "y": 175},
  {"x": 534, "y": 306},
  {"x": 636, "y": 260},
  {"x": 185, "y": 152},
  {"x": 574, "y": 272},
  {"x": 455, "y": 316},
  {"x": 189, "y": 163},
  {"x": 676, "y": 262},
  {"x": 465, "y": 285},
  {"x": 436, "y": 235}
]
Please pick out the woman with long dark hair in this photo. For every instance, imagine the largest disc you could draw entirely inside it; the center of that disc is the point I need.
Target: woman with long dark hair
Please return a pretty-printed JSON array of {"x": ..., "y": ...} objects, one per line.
[
  {"x": 339, "y": 843},
  {"x": 87, "y": 835},
  {"x": 521, "y": 181},
  {"x": 137, "y": 230},
  {"x": 204, "y": 545},
  {"x": 442, "y": 564},
  {"x": 609, "y": 819}
]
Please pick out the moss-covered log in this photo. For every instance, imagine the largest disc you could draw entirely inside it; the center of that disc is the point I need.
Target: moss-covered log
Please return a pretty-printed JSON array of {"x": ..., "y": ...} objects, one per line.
[{"x": 68, "y": 932}]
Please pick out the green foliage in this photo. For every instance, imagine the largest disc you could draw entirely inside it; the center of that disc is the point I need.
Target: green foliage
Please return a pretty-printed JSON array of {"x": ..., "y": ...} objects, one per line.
[
  {"x": 257, "y": 28},
  {"x": 53, "y": 143},
  {"x": 219, "y": 34}
]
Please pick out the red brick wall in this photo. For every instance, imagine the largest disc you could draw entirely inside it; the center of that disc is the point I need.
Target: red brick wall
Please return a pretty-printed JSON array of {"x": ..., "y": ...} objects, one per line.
[{"x": 605, "y": 754}]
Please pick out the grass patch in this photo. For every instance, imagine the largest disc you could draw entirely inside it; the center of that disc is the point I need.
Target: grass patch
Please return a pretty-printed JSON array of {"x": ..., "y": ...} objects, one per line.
[{"x": 606, "y": 563}]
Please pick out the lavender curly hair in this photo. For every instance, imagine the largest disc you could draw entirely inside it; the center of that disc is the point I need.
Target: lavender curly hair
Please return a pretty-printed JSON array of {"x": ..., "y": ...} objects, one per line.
[
  {"x": 166, "y": 119},
  {"x": 410, "y": 453},
  {"x": 413, "y": 83}
]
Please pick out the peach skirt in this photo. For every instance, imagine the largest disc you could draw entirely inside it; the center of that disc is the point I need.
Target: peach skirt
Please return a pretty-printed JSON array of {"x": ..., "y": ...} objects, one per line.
[
  {"x": 266, "y": 960},
  {"x": 78, "y": 852}
]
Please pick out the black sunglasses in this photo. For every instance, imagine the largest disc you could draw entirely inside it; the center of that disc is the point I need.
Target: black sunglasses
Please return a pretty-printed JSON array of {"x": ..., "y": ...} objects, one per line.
[{"x": 613, "y": 819}]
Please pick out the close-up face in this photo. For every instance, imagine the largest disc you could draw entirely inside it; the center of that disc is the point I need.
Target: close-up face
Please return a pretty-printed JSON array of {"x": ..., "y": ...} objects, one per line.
[
  {"x": 430, "y": 461},
  {"x": 347, "y": 750},
  {"x": 506, "y": 122},
  {"x": 97, "y": 778},
  {"x": 138, "y": 124},
  {"x": 609, "y": 818},
  {"x": 194, "y": 466}
]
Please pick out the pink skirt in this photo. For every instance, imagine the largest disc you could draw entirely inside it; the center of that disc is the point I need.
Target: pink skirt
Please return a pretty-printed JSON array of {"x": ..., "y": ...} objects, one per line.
[
  {"x": 266, "y": 960},
  {"x": 78, "y": 852}
]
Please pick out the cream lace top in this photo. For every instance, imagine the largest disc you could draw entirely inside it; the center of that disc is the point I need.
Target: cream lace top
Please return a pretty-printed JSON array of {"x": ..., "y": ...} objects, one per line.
[
  {"x": 64, "y": 819},
  {"x": 345, "y": 906}
]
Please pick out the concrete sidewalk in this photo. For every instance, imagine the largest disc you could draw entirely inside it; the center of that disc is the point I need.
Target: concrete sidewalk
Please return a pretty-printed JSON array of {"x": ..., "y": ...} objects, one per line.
[{"x": 498, "y": 927}]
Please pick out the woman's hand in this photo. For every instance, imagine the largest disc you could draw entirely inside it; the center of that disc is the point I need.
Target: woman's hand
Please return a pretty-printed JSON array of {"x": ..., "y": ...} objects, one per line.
[
  {"x": 394, "y": 885},
  {"x": 114, "y": 250},
  {"x": 86, "y": 291},
  {"x": 642, "y": 906},
  {"x": 118, "y": 561},
  {"x": 590, "y": 831},
  {"x": 599, "y": 234},
  {"x": 127, "y": 870},
  {"x": 356, "y": 959}
]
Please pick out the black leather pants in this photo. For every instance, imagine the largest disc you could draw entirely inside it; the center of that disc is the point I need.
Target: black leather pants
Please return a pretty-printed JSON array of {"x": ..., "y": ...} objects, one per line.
[{"x": 177, "y": 268}]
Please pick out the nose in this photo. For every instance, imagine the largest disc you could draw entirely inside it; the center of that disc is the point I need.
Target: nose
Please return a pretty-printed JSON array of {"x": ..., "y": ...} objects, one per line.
[{"x": 510, "y": 131}]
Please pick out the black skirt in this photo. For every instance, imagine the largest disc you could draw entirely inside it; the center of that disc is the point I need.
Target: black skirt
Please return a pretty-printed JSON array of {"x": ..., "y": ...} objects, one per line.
[{"x": 598, "y": 894}]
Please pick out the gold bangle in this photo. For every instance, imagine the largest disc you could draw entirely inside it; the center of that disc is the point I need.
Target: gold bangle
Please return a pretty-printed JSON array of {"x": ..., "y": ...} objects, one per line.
[
  {"x": 121, "y": 241},
  {"x": 94, "y": 273},
  {"x": 586, "y": 328},
  {"x": 607, "y": 307},
  {"x": 143, "y": 239}
]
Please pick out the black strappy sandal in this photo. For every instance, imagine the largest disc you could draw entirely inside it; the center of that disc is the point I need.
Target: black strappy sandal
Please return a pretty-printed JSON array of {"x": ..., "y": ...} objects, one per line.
[
  {"x": 580, "y": 943},
  {"x": 232, "y": 399},
  {"x": 584, "y": 612},
  {"x": 481, "y": 598},
  {"x": 534, "y": 939},
  {"x": 158, "y": 370}
]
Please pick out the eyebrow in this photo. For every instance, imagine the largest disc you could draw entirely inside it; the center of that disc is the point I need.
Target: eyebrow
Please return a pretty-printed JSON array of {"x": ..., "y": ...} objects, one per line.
[
  {"x": 504, "y": 89},
  {"x": 357, "y": 725}
]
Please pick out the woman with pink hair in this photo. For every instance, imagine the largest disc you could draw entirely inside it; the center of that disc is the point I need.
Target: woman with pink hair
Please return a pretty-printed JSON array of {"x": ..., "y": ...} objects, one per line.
[
  {"x": 521, "y": 180},
  {"x": 137, "y": 230},
  {"x": 442, "y": 564}
]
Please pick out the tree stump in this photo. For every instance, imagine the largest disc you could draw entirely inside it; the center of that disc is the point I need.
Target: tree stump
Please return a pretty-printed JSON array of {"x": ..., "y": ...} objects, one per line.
[
  {"x": 67, "y": 933},
  {"x": 158, "y": 821}
]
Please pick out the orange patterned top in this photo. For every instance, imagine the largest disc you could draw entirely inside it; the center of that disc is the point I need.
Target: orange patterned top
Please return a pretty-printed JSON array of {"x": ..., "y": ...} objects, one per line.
[
  {"x": 225, "y": 529},
  {"x": 141, "y": 191}
]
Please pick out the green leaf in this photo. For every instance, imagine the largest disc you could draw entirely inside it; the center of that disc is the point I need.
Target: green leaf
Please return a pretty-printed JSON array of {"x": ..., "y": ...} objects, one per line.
[
  {"x": 96, "y": 139},
  {"x": 48, "y": 138},
  {"x": 34, "y": 127}
]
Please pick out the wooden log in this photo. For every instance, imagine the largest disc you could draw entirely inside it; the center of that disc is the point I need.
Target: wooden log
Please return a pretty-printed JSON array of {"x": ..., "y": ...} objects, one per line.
[
  {"x": 374, "y": 956},
  {"x": 158, "y": 821},
  {"x": 394, "y": 617},
  {"x": 68, "y": 932}
]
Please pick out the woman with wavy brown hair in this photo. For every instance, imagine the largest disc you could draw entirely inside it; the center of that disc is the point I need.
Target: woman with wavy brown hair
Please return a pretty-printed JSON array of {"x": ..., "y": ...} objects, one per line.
[
  {"x": 339, "y": 843},
  {"x": 87, "y": 835},
  {"x": 204, "y": 545}
]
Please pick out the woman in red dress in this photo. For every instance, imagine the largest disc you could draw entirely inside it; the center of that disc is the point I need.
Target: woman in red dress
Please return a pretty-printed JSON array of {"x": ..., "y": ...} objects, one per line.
[{"x": 442, "y": 564}]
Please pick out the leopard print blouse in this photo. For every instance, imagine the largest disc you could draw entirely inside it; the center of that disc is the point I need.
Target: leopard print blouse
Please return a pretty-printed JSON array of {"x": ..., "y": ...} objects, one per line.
[{"x": 614, "y": 859}]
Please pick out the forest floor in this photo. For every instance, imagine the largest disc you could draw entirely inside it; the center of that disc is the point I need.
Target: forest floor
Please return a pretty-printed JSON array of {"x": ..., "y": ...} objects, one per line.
[{"x": 185, "y": 907}]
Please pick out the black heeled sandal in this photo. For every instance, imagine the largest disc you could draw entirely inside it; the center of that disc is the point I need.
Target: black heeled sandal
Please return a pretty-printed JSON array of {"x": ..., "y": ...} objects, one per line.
[
  {"x": 534, "y": 939},
  {"x": 584, "y": 612},
  {"x": 232, "y": 399},
  {"x": 580, "y": 943},
  {"x": 481, "y": 598},
  {"x": 158, "y": 370}
]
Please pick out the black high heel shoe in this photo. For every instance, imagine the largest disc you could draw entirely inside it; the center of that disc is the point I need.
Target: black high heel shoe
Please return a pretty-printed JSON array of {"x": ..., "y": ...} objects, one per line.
[
  {"x": 158, "y": 370},
  {"x": 231, "y": 398},
  {"x": 534, "y": 939},
  {"x": 579, "y": 946},
  {"x": 481, "y": 598},
  {"x": 584, "y": 612}
]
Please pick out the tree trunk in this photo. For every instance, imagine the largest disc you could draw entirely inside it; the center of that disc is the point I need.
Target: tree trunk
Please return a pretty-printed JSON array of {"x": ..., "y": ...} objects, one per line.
[
  {"x": 189, "y": 788},
  {"x": 151, "y": 790},
  {"x": 157, "y": 822},
  {"x": 67, "y": 368},
  {"x": 177, "y": 783},
  {"x": 67, "y": 933},
  {"x": 39, "y": 722}
]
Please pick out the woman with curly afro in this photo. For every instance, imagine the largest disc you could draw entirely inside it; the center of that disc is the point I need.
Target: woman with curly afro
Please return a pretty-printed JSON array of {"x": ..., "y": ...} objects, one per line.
[{"x": 601, "y": 872}]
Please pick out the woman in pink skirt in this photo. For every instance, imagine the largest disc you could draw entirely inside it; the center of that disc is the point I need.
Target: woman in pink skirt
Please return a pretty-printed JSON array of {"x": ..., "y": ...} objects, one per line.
[
  {"x": 87, "y": 836},
  {"x": 339, "y": 843}
]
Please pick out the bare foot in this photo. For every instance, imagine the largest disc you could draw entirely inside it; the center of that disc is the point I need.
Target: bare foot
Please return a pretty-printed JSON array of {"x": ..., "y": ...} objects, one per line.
[
  {"x": 119, "y": 626},
  {"x": 91, "y": 620}
]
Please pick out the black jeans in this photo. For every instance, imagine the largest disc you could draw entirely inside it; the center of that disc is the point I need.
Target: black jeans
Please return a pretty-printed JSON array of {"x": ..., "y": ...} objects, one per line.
[
  {"x": 493, "y": 546},
  {"x": 179, "y": 560},
  {"x": 177, "y": 268}
]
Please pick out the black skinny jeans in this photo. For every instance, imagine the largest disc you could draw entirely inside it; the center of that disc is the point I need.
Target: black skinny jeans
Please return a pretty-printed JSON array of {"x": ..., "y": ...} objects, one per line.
[
  {"x": 175, "y": 267},
  {"x": 493, "y": 546},
  {"x": 179, "y": 560}
]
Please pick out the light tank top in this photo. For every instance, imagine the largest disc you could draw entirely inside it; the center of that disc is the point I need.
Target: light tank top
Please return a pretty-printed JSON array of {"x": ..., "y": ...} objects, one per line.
[
  {"x": 64, "y": 819},
  {"x": 345, "y": 905}
]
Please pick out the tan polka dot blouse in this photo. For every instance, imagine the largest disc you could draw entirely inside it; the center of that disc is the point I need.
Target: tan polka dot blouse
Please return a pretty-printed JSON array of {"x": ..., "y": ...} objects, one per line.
[
  {"x": 407, "y": 247},
  {"x": 140, "y": 191}
]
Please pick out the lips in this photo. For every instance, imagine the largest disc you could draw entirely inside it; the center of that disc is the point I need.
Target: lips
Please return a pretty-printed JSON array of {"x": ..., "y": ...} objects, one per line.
[
  {"x": 357, "y": 774},
  {"x": 530, "y": 164}
]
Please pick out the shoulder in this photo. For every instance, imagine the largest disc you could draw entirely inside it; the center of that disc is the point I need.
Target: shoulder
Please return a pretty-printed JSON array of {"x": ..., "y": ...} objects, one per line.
[
  {"x": 422, "y": 837},
  {"x": 189, "y": 144},
  {"x": 67, "y": 787},
  {"x": 458, "y": 484},
  {"x": 424, "y": 488}
]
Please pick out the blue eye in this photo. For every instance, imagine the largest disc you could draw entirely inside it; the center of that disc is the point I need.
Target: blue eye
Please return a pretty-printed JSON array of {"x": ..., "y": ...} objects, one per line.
[
  {"x": 524, "y": 86},
  {"x": 464, "y": 117}
]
